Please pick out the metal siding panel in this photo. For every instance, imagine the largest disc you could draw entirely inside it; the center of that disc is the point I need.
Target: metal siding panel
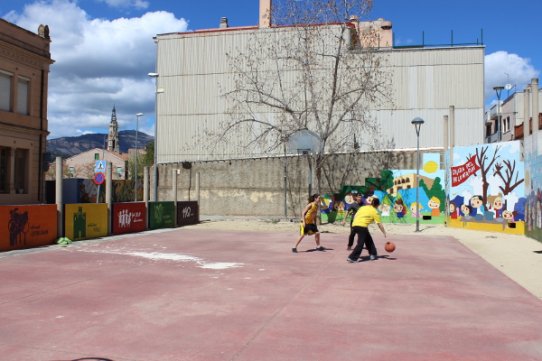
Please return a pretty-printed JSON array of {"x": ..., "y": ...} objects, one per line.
[{"x": 425, "y": 82}]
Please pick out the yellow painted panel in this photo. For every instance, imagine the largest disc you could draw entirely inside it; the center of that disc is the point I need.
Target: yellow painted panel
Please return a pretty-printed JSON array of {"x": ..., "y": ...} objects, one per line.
[
  {"x": 85, "y": 220},
  {"x": 489, "y": 227}
]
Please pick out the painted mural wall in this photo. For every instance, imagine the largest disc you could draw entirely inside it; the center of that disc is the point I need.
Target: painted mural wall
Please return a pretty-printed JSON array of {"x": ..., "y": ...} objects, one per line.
[
  {"x": 402, "y": 198},
  {"x": 487, "y": 188},
  {"x": 533, "y": 185}
]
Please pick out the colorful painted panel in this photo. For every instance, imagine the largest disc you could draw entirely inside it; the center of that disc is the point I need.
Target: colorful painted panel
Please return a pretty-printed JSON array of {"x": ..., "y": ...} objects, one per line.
[
  {"x": 533, "y": 185},
  {"x": 85, "y": 220},
  {"x": 27, "y": 226},
  {"x": 487, "y": 188},
  {"x": 408, "y": 198},
  {"x": 129, "y": 217},
  {"x": 333, "y": 207},
  {"x": 402, "y": 197},
  {"x": 187, "y": 213},
  {"x": 161, "y": 215}
]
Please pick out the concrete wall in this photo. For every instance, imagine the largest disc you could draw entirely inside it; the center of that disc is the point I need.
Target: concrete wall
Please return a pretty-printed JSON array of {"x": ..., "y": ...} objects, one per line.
[{"x": 255, "y": 187}]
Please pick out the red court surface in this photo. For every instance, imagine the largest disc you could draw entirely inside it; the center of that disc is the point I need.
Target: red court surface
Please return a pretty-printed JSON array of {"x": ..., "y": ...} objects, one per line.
[{"x": 205, "y": 295}]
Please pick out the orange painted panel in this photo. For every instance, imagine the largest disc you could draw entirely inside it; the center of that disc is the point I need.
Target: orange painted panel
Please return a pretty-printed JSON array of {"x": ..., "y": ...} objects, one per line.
[{"x": 27, "y": 226}]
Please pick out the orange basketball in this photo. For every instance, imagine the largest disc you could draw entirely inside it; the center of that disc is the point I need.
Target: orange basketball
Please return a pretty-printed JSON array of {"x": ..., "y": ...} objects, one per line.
[{"x": 389, "y": 247}]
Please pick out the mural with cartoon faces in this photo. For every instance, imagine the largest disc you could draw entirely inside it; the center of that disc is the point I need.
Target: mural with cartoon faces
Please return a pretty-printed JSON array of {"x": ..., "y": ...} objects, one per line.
[
  {"x": 415, "y": 209},
  {"x": 476, "y": 202},
  {"x": 487, "y": 182},
  {"x": 497, "y": 207},
  {"x": 405, "y": 197},
  {"x": 399, "y": 208},
  {"x": 453, "y": 210},
  {"x": 434, "y": 205},
  {"x": 508, "y": 216}
]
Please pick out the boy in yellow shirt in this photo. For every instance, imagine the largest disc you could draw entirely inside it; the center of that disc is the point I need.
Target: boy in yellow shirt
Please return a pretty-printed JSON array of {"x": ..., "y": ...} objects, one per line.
[{"x": 365, "y": 216}]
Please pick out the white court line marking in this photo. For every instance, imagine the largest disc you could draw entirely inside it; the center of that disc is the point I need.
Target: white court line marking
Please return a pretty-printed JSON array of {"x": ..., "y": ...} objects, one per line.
[{"x": 158, "y": 256}]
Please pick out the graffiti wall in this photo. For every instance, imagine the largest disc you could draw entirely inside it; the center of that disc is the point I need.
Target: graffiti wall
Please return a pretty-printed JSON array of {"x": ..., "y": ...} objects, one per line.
[
  {"x": 403, "y": 199},
  {"x": 487, "y": 188},
  {"x": 533, "y": 186}
]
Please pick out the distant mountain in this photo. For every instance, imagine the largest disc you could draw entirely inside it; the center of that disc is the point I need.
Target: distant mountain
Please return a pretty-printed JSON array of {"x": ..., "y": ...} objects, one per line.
[{"x": 67, "y": 146}]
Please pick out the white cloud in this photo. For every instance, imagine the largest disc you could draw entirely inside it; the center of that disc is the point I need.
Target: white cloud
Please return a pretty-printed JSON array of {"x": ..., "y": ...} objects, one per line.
[
  {"x": 138, "y": 4},
  {"x": 503, "y": 68},
  {"x": 99, "y": 64}
]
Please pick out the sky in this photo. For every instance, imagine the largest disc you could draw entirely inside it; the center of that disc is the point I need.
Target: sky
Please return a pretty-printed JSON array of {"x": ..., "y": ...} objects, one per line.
[{"x": 104, "y": 49}]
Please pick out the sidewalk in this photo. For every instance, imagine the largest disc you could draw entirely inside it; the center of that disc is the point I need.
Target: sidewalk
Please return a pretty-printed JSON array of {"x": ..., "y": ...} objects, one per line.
[{"x": 206, "y": 293}]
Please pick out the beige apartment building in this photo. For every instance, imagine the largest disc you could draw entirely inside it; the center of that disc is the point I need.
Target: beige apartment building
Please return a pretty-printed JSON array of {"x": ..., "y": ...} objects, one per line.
[
  {"x": 24, "y": 70},
  {"x": 517, "y": 116}
]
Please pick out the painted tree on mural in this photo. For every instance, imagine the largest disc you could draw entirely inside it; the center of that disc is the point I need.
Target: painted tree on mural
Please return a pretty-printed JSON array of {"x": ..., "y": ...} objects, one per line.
[
  {"x": 383, "y": 183},
  {"x": 308, "y": 73},
  {"x": 437, "y": 191},
  {"x": 423, "y": 186},
  {"x": 485, "y": 161},
  {"x": 510, "y": 178}
]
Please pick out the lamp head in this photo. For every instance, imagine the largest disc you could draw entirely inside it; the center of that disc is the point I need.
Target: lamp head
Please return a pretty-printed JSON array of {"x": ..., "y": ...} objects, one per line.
[
  {"x": 417, "y": 121},
  {"x": 139, "y": 114},
  {"x": 153, "y": 75},
  {"x": 498, "y": 89}
]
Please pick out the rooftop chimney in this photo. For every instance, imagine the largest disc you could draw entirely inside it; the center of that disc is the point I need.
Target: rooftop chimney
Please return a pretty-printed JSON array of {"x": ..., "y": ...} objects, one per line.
[
  {"x": 223, "y": 22},
  {"x": 265, "y": 13},
  {"x": 527, "y": 129}
]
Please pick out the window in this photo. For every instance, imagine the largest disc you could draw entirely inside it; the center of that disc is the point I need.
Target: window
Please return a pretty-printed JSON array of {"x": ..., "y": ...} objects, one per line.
[
  {"x": 20, "y": 179},
  {"x": 22, "y": 96},
  {"x": 96, "y": 156},
  {"x": 5, "y": 92},
  {"x": 4, "y": 169}
]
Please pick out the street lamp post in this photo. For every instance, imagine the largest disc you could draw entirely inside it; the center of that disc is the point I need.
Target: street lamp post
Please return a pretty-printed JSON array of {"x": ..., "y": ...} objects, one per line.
[
  {"x": 155, "y": 171},
  {"x": 136, "y": 155},
  {"x": 498, "y": 90},
  {"x": 417, "y": 122}
]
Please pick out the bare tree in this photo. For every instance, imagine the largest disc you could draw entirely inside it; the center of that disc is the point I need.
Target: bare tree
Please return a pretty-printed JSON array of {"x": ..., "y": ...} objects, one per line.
[{"x": 316, "y": 69}]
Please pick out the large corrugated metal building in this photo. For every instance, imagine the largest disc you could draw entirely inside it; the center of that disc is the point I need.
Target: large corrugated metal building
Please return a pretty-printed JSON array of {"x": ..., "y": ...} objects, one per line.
[{"x": 194, "y": 74}]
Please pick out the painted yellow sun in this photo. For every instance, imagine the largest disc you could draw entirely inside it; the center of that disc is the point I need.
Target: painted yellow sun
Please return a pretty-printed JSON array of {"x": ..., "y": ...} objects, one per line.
[{"x": 430, "y": 166}]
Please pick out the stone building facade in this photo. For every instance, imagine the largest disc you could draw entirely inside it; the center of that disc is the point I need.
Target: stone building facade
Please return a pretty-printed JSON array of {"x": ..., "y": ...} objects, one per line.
[{"x": 25, "y": 59}]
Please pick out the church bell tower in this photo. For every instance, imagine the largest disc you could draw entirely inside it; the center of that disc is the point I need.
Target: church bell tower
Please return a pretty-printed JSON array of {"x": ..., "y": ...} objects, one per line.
[{"x": 113, "y": 135}]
